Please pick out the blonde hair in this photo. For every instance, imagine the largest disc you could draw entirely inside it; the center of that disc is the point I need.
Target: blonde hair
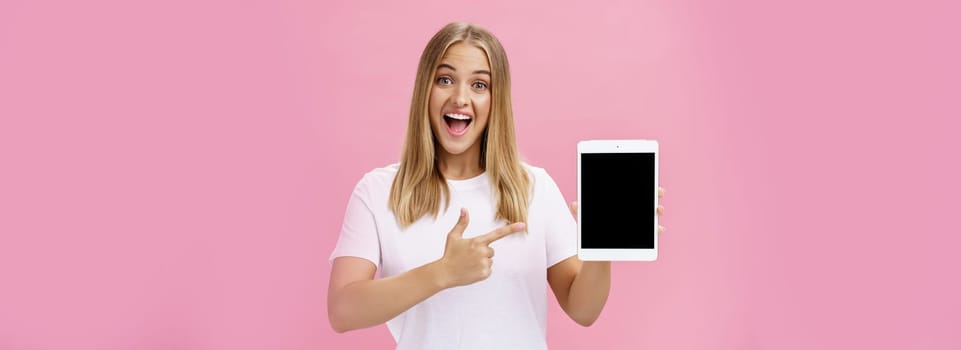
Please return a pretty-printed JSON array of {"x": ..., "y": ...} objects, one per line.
[{"x": 419, "y": 185}]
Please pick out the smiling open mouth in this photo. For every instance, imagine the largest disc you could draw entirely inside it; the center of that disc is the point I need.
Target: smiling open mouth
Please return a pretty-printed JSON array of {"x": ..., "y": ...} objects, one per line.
[{"x": 457, "y": 124}]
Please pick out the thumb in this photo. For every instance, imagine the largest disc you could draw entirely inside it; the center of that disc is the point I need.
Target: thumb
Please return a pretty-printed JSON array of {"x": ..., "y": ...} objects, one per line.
[
  {"x": 461, "y": 225},
  {"x": 573, "y": 207}
]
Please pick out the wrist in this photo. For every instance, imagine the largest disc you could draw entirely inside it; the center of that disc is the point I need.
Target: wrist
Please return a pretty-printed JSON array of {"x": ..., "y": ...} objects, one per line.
[{"x": 437, "y": 274}]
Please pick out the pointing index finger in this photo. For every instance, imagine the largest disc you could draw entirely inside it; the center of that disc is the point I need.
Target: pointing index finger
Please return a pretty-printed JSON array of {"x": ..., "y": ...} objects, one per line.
[{"x": 502, "y": 232}]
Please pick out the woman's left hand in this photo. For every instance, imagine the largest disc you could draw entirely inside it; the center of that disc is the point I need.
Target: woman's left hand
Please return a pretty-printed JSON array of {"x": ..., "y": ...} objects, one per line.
[{"x": 660, "y": 208}]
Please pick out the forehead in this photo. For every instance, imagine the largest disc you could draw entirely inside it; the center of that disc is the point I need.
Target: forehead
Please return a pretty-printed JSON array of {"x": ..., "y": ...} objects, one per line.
[{"x": 467, "y": 56}]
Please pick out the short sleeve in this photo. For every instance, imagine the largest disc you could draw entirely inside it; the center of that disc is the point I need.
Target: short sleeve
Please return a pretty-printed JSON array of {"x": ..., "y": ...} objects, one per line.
[
  {"x": 561, "y": 232},
  {"x": 358, "y": 235}
]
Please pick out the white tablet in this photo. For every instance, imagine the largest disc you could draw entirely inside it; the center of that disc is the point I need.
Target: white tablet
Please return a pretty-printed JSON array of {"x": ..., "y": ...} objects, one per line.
[{"x": 617, "y": 200}]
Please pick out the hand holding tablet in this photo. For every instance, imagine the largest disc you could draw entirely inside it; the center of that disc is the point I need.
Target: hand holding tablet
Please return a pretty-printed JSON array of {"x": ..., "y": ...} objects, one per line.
[{"x": 617, "y": 190}]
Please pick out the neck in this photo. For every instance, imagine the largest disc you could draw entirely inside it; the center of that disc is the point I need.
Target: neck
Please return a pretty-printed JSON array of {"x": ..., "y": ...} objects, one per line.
[{"x": 459, "y": 166}]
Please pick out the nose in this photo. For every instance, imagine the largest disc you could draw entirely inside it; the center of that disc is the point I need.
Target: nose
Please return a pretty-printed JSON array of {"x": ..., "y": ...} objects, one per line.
[{"x": 460, "y": 96}]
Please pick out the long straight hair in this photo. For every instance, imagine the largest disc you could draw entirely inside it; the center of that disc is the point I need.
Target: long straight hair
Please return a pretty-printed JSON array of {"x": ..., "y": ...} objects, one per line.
[{"x": 419, "y": 186}]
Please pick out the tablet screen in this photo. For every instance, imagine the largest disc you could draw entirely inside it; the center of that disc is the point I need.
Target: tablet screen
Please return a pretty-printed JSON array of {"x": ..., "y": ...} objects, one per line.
[{"x": 617, "y": 200}]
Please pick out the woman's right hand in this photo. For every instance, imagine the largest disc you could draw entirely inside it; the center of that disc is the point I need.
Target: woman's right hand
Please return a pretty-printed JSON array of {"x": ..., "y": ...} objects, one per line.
[{"x": 469, "y": 260}]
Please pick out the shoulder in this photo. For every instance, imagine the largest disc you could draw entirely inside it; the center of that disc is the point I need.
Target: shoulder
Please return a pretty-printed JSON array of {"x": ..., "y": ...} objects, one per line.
[
  {"x": 377, "y": 181},
  {"x": 546, "y": 197},
  {"x": 535, "y": 172},
  {"x": 533, "y": 169},
  {"x": 380, "y": 176},
  {"x": 539, "y": 177}
]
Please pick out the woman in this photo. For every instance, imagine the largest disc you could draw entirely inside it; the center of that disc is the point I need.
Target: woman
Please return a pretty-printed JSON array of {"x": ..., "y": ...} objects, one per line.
[{"x": 433, "y": 222}]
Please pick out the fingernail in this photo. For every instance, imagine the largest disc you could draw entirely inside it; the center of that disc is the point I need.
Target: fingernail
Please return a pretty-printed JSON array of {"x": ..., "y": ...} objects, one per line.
[
  {"x": 520, "y": 226},
  {"x": 463, "y": 211}
]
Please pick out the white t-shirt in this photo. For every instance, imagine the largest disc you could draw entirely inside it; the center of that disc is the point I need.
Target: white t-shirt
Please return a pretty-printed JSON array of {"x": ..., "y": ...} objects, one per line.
[{"x": 508, "y": 310}]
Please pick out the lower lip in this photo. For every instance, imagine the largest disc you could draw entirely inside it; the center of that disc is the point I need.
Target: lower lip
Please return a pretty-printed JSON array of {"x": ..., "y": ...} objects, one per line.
[{"x": 462, "y": 132}]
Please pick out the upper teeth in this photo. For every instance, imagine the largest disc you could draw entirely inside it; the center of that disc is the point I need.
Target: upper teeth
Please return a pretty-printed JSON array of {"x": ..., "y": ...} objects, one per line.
[{"x": 458, "y": 116}]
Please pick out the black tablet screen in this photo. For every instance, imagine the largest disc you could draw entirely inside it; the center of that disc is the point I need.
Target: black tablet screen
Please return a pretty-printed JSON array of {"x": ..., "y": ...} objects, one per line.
[{"x": 617, "y": 200}]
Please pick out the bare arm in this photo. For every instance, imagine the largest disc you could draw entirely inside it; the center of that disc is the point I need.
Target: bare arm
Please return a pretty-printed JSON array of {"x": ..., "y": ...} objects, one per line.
[
  {"x": 356, "y": 300},
  {"x": 582, "y": 288}
]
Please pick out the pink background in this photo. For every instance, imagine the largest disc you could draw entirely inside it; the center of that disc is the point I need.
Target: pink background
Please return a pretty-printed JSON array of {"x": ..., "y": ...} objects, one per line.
[{"x": 173, "y": 174}]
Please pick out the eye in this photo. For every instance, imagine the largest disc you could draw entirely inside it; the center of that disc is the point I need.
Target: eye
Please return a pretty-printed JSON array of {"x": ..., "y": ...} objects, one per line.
[
  {"x": 480, "y": 85},
  {"x": 444, "y": 81}
]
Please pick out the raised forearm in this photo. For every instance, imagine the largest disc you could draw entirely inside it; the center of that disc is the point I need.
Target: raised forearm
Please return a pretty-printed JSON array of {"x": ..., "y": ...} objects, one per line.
[
  {"x": 589, "y": 292},
  {"x": 369, "y": 303}
]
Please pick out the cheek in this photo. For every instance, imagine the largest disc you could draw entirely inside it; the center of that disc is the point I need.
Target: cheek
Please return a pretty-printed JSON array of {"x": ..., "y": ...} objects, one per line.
[
  {"x": 483, "y": 110},
  {"x": 483, "y": 104},
  {"x": 434, "y": 103}
]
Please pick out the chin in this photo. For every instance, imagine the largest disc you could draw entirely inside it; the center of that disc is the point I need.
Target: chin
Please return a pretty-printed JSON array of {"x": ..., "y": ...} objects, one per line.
[{"x": 456, "y": 148}]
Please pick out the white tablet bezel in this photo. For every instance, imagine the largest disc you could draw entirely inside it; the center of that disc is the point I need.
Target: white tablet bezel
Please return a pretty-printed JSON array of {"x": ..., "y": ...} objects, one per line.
[{"x": 616, "y": 146}]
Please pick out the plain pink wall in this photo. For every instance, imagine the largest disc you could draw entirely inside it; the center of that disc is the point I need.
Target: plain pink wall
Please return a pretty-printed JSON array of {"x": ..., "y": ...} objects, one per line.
[{"x": 173, "y": 174}]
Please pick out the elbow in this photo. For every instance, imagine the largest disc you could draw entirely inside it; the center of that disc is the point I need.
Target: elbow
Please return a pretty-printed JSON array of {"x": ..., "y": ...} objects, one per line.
[
  {"x": 338, "y": 322},
  {"x": 584, "y": 321},
  {"x": 582, "y": 316},
  {"x": 338, "y": 328}
]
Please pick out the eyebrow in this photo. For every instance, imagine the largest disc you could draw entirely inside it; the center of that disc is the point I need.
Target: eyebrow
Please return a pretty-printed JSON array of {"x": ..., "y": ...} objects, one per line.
[{"x": 445, "y": 65}]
